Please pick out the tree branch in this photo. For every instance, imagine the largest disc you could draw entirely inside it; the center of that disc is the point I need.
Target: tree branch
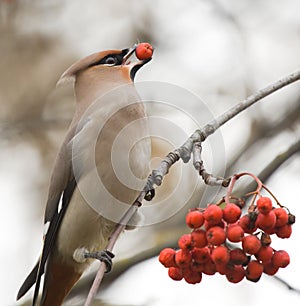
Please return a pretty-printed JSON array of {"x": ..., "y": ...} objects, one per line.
[
  {"x": 285, "y": 283},
  {"x": 185, "y": 151},
  {"x": 235, "y": 110},
  {"x": 120, "y": 227}
]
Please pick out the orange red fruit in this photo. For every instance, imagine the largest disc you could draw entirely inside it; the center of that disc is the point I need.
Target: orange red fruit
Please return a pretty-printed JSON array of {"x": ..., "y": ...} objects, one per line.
[{"x": 144, "y": 51}]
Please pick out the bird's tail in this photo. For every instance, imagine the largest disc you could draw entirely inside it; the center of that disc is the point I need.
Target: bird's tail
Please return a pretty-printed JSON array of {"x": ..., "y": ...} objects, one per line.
[
  {"x": 29, "y": 281},
  {"x": 59, "y": 280}
]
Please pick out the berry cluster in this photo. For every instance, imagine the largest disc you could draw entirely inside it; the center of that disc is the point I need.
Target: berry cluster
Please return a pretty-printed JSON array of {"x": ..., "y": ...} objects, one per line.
[{"x": 222, "y": 241}]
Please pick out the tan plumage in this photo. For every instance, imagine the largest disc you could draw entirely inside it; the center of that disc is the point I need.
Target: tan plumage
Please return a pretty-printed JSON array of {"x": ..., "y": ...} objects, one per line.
[{"x": 105, "y": 96}]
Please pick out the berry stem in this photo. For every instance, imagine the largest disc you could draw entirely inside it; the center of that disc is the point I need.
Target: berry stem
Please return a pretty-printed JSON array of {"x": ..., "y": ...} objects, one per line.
[
  {"x": 252, "y": 205},
  {"x": 272, "y": 195},
  {"x": 230, "y": 188},
  {"x": 258, "y": 181},
  {"x": 235, "y": 177}
]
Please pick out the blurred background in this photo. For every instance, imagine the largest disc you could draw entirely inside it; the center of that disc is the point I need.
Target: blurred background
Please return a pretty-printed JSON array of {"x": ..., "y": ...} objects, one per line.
[{"x": 221, "y": 50}]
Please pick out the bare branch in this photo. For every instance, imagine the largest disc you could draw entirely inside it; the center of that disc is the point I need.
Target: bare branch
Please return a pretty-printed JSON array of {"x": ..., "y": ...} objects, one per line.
[
  {"x": 199, "y": 136},
  {"x": 157, "y": 175},
  {"x": 235, "y": 110},
  {"x": 285, "y": 283},
  {"x": 120, "y": 227},
  {"x": 208, "y": 178}
]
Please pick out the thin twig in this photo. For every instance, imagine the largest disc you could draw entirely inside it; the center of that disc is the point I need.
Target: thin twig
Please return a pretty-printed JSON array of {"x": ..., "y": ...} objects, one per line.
[
  {"x": 285, "y": 283},
  {"x": 235, "y": 110},
  {"x": 208, "y": 178},
  {"x": 120, "y": 227},
  {"x": 184, "y": 152}
]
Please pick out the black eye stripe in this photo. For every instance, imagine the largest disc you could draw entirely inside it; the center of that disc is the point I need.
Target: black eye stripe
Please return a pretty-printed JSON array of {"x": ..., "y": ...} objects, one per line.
[
  {"x": 117, "y": 57},
  {"x": 111, "y": 61}
]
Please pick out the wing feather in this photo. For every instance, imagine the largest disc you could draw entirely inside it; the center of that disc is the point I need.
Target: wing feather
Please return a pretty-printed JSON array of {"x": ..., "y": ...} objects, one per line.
[
  {"x": 62, "y": 185},
  {"x": 51, "y": 236}
]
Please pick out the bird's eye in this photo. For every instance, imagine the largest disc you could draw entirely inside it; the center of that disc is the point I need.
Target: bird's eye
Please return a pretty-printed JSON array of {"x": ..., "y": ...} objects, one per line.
[{"x": 111, "y": 61}]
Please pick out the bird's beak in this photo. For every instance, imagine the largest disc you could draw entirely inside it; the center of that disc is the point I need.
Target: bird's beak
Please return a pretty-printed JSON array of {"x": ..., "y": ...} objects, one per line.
[{"x": 130, "y": 52}]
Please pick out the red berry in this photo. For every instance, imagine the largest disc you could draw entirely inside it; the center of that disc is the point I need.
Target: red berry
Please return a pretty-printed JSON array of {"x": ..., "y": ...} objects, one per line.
[
  {"x": 264, "y": 254},
  {"x": 251, "y": 244},
  {"x": 213, "y": 214},
  {"x": 220, "y": 255},
  {"x": 231, "y": 213},
  {"x": 192, "y": 277},
  {"x": 144, "y": 51},
  {"x": 280, "y": 259},
  {"x": 247, "y": 222},
  {"x": 235, "y": 233},
  {"x": 197, "y": 267},
  {"x": 235, "y": 274},
  {"x": 201, "y": 255},
  {"x": 269, "y": 268},
  {"x": 216, "y": 235},
  {"x": 238, "y": 257},
  {"x": 254, "y": 270},
  {"x": 183, "y": 258},
  {"x": 199, "y": 238},
  {"x": 167, "y": 257},
  {"x": 194, "y": 219},
  {"x": 222, "y": 269},
  {"x": 270, "y": 230},
  {"x": 185, "y": 242},
  {"x": 264, "y": 205},
  {"x": 175, "y": 273},
  {"x": 209, "y": 268},
  {"x": 284, "y": 231},
  {"x": 282, "y": 216},
  {"x": 266, "y": 221},
  {"x": 208, "y": 225}
]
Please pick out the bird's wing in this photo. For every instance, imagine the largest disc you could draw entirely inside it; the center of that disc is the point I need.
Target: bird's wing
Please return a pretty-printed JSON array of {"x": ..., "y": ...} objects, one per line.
[
  {"x": 50, "y": 236},
  {"x": 61, "y": 189}
]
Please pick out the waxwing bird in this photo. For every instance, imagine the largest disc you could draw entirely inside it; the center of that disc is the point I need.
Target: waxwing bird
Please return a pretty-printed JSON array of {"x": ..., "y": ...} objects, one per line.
[{"x": 75, "y": 232}]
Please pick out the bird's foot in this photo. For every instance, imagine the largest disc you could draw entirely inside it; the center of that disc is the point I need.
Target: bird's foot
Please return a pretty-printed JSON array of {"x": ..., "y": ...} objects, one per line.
[{"x": 106, "y": 256}]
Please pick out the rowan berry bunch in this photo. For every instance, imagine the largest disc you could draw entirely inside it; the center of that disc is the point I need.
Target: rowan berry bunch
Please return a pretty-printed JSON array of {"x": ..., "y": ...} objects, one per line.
[{"x": 224, "y": 241}]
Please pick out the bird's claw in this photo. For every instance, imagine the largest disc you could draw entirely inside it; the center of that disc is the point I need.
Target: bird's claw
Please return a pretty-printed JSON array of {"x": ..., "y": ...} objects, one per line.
[{"x": 105, "y": 256}]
